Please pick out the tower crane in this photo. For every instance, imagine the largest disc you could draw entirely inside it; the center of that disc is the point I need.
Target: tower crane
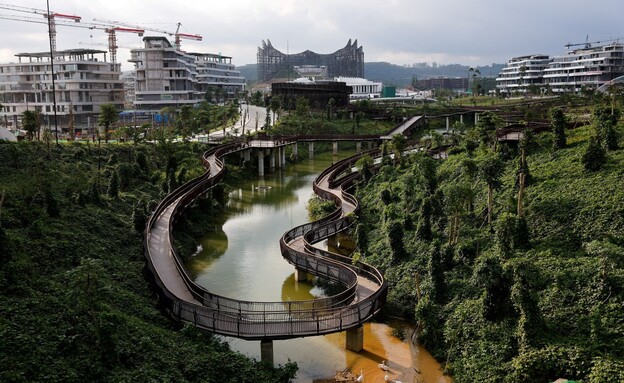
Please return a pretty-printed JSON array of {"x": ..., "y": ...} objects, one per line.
[
  {"x": 111, "y": 30},
  {"x": 51, "y": 16},
  {"x": 587, "y": 43},
  {"x": 177, "y": 35}
]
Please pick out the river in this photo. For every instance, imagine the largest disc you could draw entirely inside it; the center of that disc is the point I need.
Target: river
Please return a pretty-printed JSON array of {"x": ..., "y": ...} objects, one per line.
[{"x": 241, "y": 259}]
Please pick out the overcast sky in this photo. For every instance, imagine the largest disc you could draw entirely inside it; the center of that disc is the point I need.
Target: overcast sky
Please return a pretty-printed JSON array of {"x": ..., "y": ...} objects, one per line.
[{"x": 477, "y": 32}]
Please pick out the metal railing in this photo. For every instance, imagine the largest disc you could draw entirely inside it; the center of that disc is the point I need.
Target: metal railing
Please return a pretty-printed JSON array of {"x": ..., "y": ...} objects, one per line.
[{"x": 270, "y": 320}]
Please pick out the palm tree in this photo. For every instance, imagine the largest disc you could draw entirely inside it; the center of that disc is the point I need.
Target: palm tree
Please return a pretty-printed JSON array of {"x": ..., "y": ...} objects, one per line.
[
  {"x": 31, "y": 123},
  {"x": 107, "y": 117},
  {"x": 491, "y": 170}
]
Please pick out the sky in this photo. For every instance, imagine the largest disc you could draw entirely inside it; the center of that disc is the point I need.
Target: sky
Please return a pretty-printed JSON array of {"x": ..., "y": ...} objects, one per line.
[{"x": 404, "y": 32}]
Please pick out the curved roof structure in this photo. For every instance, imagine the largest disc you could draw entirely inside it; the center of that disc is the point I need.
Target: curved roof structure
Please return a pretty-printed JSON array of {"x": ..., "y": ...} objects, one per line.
[
  {"x": 604, "y": 88},
  {"x": 6, "y": 135},
  {"x": 347, "y": 61}
]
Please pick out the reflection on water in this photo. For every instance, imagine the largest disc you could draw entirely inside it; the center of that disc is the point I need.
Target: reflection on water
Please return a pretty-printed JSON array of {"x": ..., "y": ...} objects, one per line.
[{"x": 242, "y": 260}]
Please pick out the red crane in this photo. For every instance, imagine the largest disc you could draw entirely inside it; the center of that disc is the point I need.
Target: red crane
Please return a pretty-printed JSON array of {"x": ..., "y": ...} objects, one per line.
[
  {"x": 50, "y": 16},
  {"x": 111, "y": 30},
  {"x": 177, "y": 35}
]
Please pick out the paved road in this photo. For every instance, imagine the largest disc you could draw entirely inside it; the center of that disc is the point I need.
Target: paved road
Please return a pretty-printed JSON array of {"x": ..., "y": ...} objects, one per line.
[{"x": 254, "y": 119}]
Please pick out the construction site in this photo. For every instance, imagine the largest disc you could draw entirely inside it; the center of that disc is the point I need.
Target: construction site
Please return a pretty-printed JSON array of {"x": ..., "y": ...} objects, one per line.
[{"x": 67, "y": 87}]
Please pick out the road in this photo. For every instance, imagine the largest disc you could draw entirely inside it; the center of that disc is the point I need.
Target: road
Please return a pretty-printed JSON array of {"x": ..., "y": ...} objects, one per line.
[{"x": 254, "y": 121}]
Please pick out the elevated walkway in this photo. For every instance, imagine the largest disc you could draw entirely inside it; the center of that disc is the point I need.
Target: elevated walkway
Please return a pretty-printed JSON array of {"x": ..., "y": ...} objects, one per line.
[{"x": 365, "y": 288}]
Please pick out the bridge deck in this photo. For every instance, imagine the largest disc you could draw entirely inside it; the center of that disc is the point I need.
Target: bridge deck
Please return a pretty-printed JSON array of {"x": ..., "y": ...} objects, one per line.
[{"x": 188, "y": 302}]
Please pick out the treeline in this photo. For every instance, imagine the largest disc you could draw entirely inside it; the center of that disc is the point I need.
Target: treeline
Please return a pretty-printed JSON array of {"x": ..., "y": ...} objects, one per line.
[
  {"x": 76, "y": 303},
  {"x": 509, "y": 257}
]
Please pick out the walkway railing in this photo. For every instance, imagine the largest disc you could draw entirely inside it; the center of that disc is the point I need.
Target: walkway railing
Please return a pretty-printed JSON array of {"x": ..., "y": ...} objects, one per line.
[{"x": 268, "y": 320}]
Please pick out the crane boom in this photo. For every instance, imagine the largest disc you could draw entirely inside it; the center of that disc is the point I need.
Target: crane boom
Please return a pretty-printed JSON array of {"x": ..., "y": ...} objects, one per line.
[
  {"x": 50, "y": 16},
  {"x": 177, "y": 35}
]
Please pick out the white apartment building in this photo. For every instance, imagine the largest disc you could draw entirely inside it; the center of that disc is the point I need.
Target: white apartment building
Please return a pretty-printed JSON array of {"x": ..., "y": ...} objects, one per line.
[
  {"x": 588, "y": 67},
  {"x": 521, "y": 73},
  {"x": 84, "y": 80},
  {"x": 167, "y": 77}
]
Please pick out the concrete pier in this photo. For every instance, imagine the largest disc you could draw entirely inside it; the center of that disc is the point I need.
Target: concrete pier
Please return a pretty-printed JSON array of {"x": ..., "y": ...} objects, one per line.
[
  {"x": 295, "y": 150},
  {"x": 300, "y": 275},
  {"x": 335, "y": 147},
  {"x": 358, "y": 147},
  {"x": 448, "y": 123},
  {"x": 266, "y": 351},
  {"x": 261, "y": 162},
  {"x": 311, "y": 150},
  {"x": 355, "y": 339},
  {"x": 272, "y": 154}
]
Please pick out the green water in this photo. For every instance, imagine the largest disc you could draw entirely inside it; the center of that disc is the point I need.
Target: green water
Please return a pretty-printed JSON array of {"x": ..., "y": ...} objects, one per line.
[{"x": 241, "y": 259}]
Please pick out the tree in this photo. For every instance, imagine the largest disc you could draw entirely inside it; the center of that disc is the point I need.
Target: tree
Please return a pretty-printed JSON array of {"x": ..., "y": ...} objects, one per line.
[
  {"x": 525, "y": 301},
  {"x": 605, "y": 121},
  {"x": 489, "y": 275},
  {"x": 491, "y": 170},
  {"x": 31, "y": 123},
  {"x": 457, "y": 196},
  {"x": 330, "y": 104},
  {"x": 594, "y": 156},
  {"x": 436, "y": 273},
  {"x": 558, "y": 124},
  {"x": 107, "y": 117},
  {"x": 275, "y": 105},
  {"x": 398, "y": 143},
  {"x": 486, "y": 127},
  {"x": 113, "y": 186}
]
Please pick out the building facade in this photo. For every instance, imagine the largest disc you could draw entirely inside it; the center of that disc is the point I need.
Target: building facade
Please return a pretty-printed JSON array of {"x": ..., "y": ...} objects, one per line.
[
  {"x": 317, "y": 93},
  {"x": 348, "y": 61},
  {"x": 168, "y": 77},
  {"x": 588, "y": 67},
  {"x": 83, "y": 79},
  {"x": 451, "y": 83},
  {"x": 521, "y": 73},
  {"x": 362, "y": 88}
]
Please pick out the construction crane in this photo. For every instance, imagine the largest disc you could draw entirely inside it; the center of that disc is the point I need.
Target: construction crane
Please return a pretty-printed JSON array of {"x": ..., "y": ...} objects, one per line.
[
  {"x": 177, "y": 35},
  {"x": 111, "y": 30},
  {"x": 51, "y": 16},
  {"x": 587, "y": 43}
]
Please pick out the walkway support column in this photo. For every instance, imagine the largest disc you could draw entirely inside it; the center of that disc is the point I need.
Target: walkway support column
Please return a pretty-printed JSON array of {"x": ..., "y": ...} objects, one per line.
[
  {"x": 272, "y": 159},
  {"x": 300, "y": 275},
  {"x": 358, "y": 147},
  {"x": 311, "y": 150},
  {"x": 335, "y": 147},
  {"x": 295, "y": 150},
  {"x": 283, "y": 159},
  {"x": 370, "y": 145},
  {"x": 355, "y": 339},
  {"x": 278, "y": 155},
  {"x": 247, "y": 155},
  {"x": 461, "y": 118},
  {"x": 448, "y": 123},
  {"x": 261, "y": 163},
  {"x": 266, "y": 351}
]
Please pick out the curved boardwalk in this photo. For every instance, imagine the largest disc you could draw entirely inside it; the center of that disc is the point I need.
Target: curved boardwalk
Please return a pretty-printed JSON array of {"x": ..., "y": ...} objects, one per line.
[{"x": 365, "y": 288}]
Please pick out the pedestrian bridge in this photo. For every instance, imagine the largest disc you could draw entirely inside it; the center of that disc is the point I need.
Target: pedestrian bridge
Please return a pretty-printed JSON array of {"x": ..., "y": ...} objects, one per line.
[{"x": 365, "y": 288}]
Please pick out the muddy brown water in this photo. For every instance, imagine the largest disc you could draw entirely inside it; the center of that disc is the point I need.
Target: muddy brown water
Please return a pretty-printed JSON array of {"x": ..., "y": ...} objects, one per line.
[{"x": 241, "y": 259}]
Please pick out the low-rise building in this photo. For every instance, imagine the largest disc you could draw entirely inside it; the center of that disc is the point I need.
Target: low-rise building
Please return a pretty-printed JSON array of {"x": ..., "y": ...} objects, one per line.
[
  {"x": 83, "y": 80},
  {"x": 588, "y": 67},
  {"x": 521, "y": 73}
]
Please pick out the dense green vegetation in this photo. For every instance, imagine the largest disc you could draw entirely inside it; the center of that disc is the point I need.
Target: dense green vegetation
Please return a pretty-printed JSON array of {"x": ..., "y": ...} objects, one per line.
[
  {"x": 76, "y": 303},
  {"x": 535, "y": 295}
]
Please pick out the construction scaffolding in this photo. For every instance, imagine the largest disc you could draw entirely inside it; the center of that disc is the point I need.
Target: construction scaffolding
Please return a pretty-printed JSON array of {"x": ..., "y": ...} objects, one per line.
[{"x": 346, "y": 62}]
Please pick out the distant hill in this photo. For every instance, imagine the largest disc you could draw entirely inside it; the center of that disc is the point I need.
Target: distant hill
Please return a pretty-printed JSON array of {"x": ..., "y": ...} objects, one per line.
[{"x": 399, "y": 74}]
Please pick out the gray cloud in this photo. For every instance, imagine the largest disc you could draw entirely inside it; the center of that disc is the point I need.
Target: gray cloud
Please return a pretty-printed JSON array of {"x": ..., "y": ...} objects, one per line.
[{"x": 399, "y": 31}]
